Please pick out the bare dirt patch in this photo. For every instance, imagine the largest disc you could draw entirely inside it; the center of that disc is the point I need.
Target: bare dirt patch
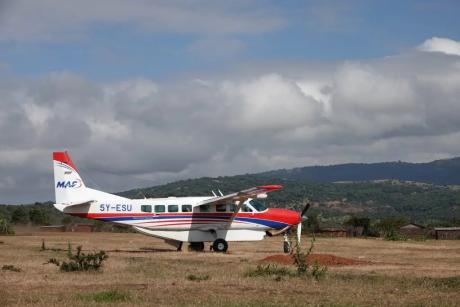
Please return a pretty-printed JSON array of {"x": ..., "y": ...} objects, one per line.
[{"x": 323, "y": 259}]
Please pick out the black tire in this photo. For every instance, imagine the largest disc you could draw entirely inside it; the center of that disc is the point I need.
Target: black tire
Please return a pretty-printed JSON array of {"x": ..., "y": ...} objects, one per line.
[
  {"x": 286, "y": 247},
  {"x": 220, "y": 246},
  {"x": 196, "y": 246}
]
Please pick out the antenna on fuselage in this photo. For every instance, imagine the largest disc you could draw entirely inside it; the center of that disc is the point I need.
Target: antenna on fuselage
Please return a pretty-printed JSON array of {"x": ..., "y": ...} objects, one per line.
[
  {"x": 142, "y": 194},
  {"x": 213, "y": 193},
  {"x": 221, "y": 194}
]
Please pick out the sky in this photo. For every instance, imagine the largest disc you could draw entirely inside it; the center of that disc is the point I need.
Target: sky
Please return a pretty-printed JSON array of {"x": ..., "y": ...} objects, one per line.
[{"x": 147, "y": 92}]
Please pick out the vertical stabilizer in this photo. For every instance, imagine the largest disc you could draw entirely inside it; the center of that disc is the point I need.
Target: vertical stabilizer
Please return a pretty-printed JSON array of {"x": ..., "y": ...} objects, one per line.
[{"x": 68, "y": 185}]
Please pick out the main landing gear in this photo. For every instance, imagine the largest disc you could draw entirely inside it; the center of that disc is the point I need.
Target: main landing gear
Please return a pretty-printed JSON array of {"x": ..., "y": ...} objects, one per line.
[
  {"x": 220, "y": 246},
  {"x": 196, "y": 246}
]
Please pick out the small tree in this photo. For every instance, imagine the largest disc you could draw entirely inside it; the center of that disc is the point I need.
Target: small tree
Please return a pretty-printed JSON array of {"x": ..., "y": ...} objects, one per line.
[
  {"x": 359, "y": 222},
  {"x": 5, "y": 228},
  {"x": 301, "y": 261},
  {"x": 389, "y": 227},
  {"x": 20, "y": 216},
  {"x": 312, "y": 223},
  {"x": 39, "y": 217}
]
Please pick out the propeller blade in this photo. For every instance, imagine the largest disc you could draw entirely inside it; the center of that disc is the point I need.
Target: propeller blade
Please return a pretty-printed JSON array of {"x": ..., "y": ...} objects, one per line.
[
  {"x": 304, "y": 211},
  {"x": 299, "y": 232}
]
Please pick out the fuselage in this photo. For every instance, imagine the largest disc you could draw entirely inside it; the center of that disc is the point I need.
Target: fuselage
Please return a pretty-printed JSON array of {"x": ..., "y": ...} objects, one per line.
[{"x": 184, "y": 213}]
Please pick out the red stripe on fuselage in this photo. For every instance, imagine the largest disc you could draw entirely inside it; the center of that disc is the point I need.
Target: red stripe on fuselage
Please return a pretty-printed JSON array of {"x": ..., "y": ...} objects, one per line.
[{"x": 274, "y": 214}]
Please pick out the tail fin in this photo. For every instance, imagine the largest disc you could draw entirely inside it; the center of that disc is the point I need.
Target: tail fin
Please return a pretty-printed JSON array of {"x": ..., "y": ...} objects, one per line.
[{"x": 68, "y": 185}]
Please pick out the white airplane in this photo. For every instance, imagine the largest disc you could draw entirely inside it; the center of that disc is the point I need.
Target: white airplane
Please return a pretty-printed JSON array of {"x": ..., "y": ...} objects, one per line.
[{"x": 218, "y": 219}]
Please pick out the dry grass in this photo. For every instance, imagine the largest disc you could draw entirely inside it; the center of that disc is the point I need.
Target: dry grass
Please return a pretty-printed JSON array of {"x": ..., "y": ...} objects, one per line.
[{"x": 145, "y": 271}]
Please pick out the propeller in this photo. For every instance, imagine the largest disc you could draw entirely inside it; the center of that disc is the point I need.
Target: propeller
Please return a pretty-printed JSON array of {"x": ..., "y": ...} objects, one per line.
[
  {"x": 299, "y": 232},
  {"x": 304, "y": 218},
  {"x": 304, "y": 211}
]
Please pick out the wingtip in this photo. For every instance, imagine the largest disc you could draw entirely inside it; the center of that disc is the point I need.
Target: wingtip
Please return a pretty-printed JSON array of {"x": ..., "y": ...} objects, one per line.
[{"x": 270, "y": 187}]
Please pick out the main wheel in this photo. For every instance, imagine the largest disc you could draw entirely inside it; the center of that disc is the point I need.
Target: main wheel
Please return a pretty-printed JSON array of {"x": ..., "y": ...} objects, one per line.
[
  {"x": 286, "y": 247},
  {"x": 220, "y": 245},
  {"x": 196, "y": 246}
]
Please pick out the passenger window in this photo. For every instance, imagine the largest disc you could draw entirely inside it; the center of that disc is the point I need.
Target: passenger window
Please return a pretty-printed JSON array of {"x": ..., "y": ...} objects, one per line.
[
  {"x": 146, "y": 208},
  {"x": 221, "y": 207},
  {"x": 205, "y": 208},
  {"x": 231, "y": 207},
  {"x": 173, "y": 208},
  {"x": 160, "y": 208},
  {"x": 186, "y": 208},
  {"x": 245, "y": 208}
]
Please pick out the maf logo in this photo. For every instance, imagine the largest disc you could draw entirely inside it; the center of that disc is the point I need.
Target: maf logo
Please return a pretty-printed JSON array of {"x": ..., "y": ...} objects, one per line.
[{"x": 69, "y": 184}]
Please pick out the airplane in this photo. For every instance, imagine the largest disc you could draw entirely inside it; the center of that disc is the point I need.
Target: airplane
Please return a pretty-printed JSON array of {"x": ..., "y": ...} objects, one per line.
[{"x": 238, "y": 216}]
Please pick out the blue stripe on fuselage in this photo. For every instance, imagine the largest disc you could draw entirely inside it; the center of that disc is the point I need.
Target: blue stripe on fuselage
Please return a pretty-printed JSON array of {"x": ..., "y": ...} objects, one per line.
[{"x": 268, "y": 223}]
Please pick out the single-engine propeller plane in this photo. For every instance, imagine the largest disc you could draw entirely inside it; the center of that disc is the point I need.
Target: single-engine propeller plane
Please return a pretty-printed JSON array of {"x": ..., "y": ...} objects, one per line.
[{"x": 220, "y": 219}]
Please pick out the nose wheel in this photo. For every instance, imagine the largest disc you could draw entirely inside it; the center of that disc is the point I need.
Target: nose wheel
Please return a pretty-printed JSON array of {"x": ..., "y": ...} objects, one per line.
[{"x": 286, "y": 244}]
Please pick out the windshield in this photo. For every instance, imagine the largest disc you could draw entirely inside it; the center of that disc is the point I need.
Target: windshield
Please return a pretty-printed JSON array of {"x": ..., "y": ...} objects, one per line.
[{"x": 259, "y": 206}]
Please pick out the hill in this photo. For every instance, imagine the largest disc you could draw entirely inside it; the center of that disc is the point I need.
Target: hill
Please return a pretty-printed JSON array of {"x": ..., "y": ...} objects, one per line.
[
  {"x": 334, "y": 202},
  {"x": 336, "y": 192},
  {"x": 441, "y": 172}
]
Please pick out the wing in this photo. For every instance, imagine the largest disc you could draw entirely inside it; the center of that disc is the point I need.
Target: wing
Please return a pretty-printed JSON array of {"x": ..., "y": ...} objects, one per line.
[{"x": 240, "y": 197}]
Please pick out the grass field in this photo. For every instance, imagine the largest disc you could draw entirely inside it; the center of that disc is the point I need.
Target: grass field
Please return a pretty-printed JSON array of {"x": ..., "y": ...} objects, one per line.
[{"x": 145, "y": 271}]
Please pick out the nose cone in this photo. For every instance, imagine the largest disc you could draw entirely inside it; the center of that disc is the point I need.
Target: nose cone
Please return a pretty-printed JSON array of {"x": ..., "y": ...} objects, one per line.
[{"x": 285, "y": 216}]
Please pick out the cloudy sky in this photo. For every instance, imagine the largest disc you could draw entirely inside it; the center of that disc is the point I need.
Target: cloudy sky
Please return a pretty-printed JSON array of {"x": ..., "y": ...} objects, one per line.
[{"x": 144, "y": 92}]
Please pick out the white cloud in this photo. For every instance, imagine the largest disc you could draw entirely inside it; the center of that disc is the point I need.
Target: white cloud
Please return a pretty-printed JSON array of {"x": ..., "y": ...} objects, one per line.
[
  {"x": 23, "y": 20},
  {"x": 440, "y": 44},
  {"x": 143, "y": 132}
]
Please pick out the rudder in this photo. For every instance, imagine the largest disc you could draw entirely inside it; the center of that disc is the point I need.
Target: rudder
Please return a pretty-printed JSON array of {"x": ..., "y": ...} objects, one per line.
[{"x": 68, "y": 185}]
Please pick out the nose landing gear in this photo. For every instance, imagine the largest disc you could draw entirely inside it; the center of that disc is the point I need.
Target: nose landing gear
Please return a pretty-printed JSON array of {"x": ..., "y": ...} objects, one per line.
[{"x": 286, "y": 244}]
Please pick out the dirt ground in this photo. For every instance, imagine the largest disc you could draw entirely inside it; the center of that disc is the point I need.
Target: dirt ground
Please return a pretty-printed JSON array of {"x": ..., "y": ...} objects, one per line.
[{"x": 145, "y": 271}]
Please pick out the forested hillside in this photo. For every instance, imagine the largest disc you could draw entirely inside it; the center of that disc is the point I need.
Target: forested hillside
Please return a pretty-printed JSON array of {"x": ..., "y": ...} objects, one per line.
[
  {"x": 336, "y": 192},
  {"x": 442, "y": 172},
  {"x": 424, "y": 203}
]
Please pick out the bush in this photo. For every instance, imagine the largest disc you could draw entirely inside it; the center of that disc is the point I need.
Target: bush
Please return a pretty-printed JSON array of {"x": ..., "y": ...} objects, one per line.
[
  {"x": 268, "y": 270},
  {"x": 81, "y": 261},
  {"x": 5, "y": 227},
  {"x": 10, "y": 267},
  {"x": 197, "y": 277},
  {"x": 318, "y": 271},
  {"x": 393, "y": 235},
  {"x": 20, "y": 216},
  {"x": 300, "y": 260},
  {"x": 106, "y": 296}
]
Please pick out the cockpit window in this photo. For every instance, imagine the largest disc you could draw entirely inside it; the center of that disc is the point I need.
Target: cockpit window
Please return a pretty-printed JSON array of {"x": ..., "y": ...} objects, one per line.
[
  {"x": 186, "y": 208},
  {"x": 221, "y": 207},
  {"x": 246, "y": 208},
  {"x": 259, "y": 206},
  {"x": 205, "y": 208}
]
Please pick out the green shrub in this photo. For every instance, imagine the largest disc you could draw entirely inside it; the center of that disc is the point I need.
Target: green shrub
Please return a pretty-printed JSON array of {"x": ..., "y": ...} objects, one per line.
[
  {"x": 318, "y": 271},
  {"x": 81, "y": 261},
  {"x": 269, "y": 270},
  {"x": 110, "y": 296},
  {"x": 10, "y": 267},
  {"x": 393, "y": 235},
  {"x": 5, "y": 227},
  {"x": 197, "y": 277},
  {"x": 300, "y": 260}
]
